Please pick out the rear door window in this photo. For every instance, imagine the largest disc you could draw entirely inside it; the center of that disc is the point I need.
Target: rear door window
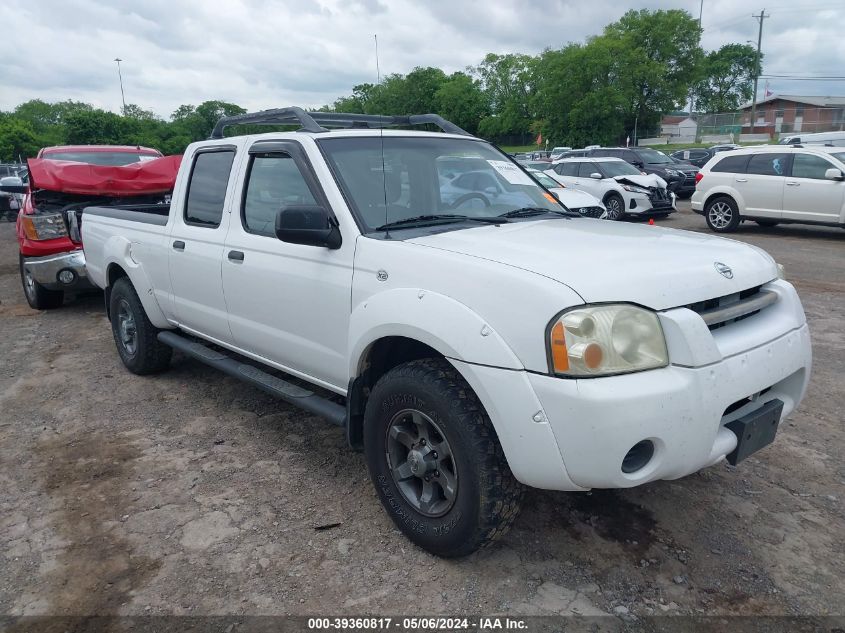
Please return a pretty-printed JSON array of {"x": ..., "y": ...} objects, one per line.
[
  {"x": 207, "y": 188},
  {"x": 568, "y": 169},
  {"x": 732, "y": 164},
  {"x": 810, "y": 166},
  {"x": 768, "y": 164}
]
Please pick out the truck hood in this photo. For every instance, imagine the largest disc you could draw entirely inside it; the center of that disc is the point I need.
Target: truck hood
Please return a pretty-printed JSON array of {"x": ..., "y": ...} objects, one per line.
[
  {"x": 575, "y": 198},
  {"x": 616, "y": 262},
  {"x": 152, "y": 176},
  {"x": 648, "y": 180}
]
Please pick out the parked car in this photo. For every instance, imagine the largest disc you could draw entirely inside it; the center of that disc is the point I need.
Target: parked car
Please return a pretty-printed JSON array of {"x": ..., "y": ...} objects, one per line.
[
  {"x": 62, "y": 180},
  {"x": 680, "y": 177},
  {"x": 623, "y": 189},
  {"x": 697, "y": 157},
  {"x": 833, "y": 139},
  {"x": 557, "y": 152},
  {"x": 466, "y": 353},
  {"x": 773, "y": 184},
  {"x": 575, "y": 153},
  {"x": 10, "y": 203},
  {"x": 576, "y": 200}
]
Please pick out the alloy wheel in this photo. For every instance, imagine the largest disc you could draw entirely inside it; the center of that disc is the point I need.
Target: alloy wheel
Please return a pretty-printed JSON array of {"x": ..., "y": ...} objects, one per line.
[
  {"x": 127, "y": 330},
  {"x": 720, "y": 214}
]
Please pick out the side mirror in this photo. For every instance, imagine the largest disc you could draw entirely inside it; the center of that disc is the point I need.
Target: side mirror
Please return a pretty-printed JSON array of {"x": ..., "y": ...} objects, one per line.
[
  {"x": 638, "y": 163},
  {"x": 834, "y": 174},
  {"x": 308, "y": 224},
  {"x": 596, "y": 175}
]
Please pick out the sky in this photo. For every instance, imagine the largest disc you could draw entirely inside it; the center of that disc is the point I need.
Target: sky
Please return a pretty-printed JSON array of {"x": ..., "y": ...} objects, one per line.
[{"x": 265, "y": 53}]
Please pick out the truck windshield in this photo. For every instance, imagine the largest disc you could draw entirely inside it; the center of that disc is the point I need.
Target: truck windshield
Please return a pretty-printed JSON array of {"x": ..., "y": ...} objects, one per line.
[
  {"x": 113, "y": 159},
  {"x": 418, "y": 176}
]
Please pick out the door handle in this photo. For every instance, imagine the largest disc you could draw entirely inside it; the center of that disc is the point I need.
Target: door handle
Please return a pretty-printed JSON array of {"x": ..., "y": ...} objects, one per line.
[
  {"x": 742, "y": 179},
  {"x": 793, "y": 184},
  {"x": 179, "y": 245},
  {"x": 236, "y": 256}
]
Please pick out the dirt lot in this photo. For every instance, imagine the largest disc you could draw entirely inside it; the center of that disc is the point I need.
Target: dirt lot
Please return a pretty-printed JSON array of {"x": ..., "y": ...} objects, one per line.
[{"x": 190, "y": 493}]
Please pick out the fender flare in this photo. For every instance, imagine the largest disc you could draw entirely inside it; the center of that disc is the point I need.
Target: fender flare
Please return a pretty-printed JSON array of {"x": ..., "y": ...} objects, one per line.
[
  {"x": 117, "y": 251},
  {"x": 442, "y": 323}
]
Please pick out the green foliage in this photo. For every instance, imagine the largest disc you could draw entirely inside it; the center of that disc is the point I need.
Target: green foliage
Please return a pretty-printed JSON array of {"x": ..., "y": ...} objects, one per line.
[{"x": 728, "y": 73}]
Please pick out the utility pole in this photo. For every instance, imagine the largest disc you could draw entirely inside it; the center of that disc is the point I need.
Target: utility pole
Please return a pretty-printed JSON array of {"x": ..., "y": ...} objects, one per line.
[
  {"x": 692, "y": 88},
  {"x": 760, "y": 19},
  {"x": 120, "y": 76}
]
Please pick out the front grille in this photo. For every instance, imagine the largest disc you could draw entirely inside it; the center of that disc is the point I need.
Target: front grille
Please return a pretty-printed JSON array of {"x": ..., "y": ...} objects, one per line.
[
  {"x": 722, "y": 311},
  {"x": 590, "y": 212},
  {"x": 659, "y": 198}
]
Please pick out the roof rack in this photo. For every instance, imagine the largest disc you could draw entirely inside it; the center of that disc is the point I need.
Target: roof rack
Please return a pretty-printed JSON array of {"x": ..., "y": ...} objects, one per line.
[{"x": 318, "y": 122}]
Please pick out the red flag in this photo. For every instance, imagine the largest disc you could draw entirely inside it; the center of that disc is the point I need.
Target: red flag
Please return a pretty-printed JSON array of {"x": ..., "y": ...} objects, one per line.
[{"x": 539, "y": 139}]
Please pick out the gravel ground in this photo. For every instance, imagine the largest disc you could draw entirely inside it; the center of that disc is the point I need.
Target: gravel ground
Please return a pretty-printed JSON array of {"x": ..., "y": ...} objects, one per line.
[{"x": 190, "y": 493}]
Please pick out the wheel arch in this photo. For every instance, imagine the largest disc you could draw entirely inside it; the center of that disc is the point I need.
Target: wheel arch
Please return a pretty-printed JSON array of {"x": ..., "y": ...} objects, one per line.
[{"x": 119, "y": 264}]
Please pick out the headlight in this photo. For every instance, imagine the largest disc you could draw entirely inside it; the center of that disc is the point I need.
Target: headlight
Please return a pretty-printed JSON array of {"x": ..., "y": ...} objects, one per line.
[
  {"x": 43, "y": 227},
  {"x": 606, "y": 339},
  {"x": 672, "y": 172},
  {"x": 634, "y": 189}
]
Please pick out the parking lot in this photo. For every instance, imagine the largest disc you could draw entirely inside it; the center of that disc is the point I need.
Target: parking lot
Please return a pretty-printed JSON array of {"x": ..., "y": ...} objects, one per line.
[{"x": 191, "y": 493}]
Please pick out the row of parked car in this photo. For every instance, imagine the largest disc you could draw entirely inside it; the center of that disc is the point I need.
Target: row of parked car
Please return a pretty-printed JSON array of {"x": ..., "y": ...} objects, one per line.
[{"x": 475, "y": 335}]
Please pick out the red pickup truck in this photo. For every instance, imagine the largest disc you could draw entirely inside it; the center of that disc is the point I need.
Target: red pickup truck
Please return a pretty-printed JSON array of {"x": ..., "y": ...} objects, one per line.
[{"x": 64, "y": 180}]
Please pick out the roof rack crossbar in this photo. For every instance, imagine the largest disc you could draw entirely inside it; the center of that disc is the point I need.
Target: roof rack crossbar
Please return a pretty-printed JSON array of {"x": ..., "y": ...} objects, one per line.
[{"x": 320, "y": 121}]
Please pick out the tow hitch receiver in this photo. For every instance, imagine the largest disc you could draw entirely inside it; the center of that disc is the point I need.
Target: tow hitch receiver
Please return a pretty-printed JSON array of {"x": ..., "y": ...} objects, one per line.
[{"x": 755, "y": 430}]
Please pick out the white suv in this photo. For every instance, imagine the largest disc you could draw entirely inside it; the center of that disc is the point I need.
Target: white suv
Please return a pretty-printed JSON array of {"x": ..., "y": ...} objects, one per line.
[
  {"x": 772, "y": 184},
  {"x": 622, "y": 188}
]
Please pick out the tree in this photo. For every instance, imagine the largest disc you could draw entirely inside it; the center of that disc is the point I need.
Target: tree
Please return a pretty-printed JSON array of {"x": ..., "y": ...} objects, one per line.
[
  {"x": 507, "y": 82},
  {"x": 727, "y": 78},
  {"x": 461, "y": 100},
  {"x": 17, "y": 139},
  {"x": 96, "y": 127}
]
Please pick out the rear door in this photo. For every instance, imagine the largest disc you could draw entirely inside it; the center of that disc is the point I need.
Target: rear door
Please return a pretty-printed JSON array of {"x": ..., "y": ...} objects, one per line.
[
  {"x": 762, "y": 184},
  {"x": 808, "y": 195},
  {"x": 195, "y": 249},
  {"x": 287, "y": 303}
]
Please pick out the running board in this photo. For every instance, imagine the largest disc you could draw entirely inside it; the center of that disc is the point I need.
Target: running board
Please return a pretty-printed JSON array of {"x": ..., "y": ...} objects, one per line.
[{"x": 290, "y": 393}]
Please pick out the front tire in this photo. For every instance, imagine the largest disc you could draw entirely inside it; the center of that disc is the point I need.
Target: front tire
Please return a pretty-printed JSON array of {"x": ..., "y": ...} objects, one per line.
[
  {"x": 37, "y": 296},
  {"x": 435, "y": 461},
  {"x": 615, "y": 206},
  {"x": 722, "y": 215},
  {"x": 135, "y": 337}
]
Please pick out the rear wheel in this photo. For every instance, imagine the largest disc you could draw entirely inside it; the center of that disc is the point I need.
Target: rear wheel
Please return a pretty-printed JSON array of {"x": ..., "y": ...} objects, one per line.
[
  {"x": 615, "y": 206},
  {"x": 722, "y": 215},
  {"x": 37, "y": 296},
  {"x": 435, "y": 460},
  {"x": 134, "y": 335}
]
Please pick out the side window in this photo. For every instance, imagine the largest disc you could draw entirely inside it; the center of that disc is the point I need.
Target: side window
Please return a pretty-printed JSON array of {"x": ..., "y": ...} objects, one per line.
[
  {"x": 569, "y": 169},
  {"x": 586, "y": 169},
  {"x": 809, "y": 166},
  {"x": 207, "y": 188},
  {"x": 274, "y": 182},
  {"x": 768, "y": 164},
  {"x": 732, "y": 164}
]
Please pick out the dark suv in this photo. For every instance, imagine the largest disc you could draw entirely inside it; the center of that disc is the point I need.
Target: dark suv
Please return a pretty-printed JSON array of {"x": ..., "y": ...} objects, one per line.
[{"x": 679, "y": 177}]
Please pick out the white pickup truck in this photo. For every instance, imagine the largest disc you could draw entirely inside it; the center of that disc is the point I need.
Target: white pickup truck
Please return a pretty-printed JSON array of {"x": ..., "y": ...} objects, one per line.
[{"x": 469, "y": 340}]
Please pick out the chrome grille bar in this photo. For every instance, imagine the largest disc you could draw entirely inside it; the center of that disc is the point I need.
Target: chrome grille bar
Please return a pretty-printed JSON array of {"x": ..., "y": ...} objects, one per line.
[{"x": 757, "y": 302}]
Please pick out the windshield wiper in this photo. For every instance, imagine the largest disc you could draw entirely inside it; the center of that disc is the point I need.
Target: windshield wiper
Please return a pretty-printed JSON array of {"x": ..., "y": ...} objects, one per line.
[
  {"x": 438, "y": 217},
  {"x": 527, "y": 212}
]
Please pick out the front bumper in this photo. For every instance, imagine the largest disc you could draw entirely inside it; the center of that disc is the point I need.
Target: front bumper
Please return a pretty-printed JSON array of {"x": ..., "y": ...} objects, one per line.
[
  {"x": 568, "y": 434},
  {"x": 45, "y": 271}
]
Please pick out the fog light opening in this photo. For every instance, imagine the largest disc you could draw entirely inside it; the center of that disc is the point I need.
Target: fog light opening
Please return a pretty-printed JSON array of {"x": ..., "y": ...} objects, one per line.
[
  {"x": 639, "y": 455},
  {"x": 66, "y": 276}
]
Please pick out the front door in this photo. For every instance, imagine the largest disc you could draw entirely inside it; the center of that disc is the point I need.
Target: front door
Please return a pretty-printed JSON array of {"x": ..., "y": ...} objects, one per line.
[
  {"x": 195, "y": 246},
  {"x": 288, "y": 303},
  {"x": 808, "y": 195}
]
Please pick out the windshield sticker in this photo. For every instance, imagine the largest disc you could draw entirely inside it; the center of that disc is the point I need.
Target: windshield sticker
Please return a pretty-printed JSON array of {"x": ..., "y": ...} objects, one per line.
[{"x": 513, "y": 174}]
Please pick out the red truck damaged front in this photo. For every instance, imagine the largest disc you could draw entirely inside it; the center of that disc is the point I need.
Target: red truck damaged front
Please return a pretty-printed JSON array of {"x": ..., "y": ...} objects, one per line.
[{"x": 64, "y": 180}]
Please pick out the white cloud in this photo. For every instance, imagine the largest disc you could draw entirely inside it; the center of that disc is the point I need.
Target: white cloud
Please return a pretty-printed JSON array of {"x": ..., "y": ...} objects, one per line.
[{"x": 264, "y": 53}]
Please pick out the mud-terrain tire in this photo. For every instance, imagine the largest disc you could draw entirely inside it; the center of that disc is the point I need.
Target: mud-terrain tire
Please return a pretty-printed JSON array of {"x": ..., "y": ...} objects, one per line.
[
  {"x": 134, "y": 335},
  {"x": 471, "y": 497}
]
